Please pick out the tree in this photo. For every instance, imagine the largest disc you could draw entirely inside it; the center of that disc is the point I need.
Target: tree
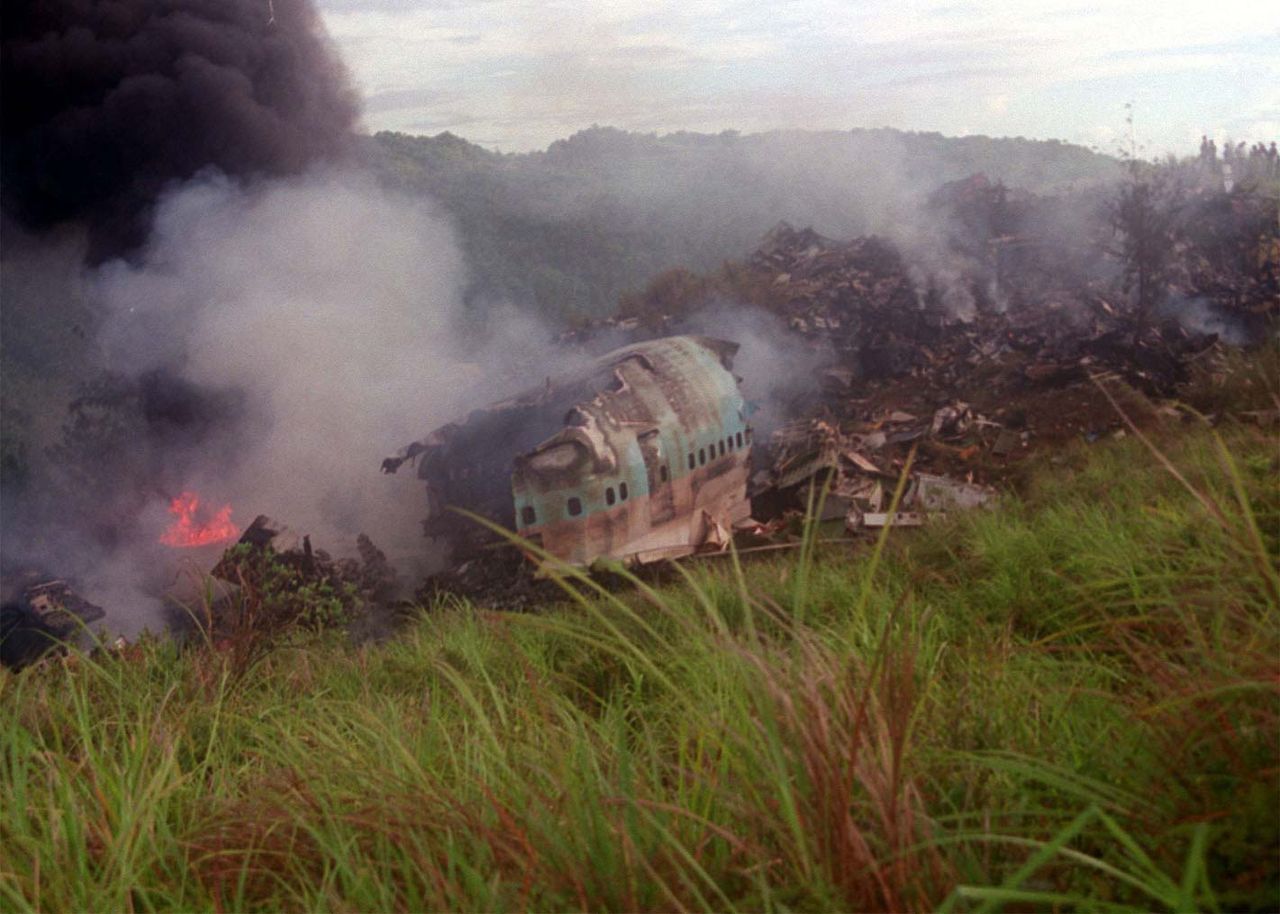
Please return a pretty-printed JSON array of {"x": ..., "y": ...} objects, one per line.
[{"x": 1143, "y": 216}]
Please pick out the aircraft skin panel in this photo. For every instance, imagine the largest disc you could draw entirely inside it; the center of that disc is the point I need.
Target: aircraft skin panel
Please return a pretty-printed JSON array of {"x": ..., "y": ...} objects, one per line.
[{"x": 678, "y": 395}]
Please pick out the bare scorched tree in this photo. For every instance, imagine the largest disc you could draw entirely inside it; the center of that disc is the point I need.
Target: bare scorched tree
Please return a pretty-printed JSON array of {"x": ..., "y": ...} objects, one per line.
[{"x": 1143, "y": 215}]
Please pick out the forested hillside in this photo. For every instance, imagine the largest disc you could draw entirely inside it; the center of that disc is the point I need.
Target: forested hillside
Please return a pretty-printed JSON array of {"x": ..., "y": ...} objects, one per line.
[{"x": 571, "y": 228}]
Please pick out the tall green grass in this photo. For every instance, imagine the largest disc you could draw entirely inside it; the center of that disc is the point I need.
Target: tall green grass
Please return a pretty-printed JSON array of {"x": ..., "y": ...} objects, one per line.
[{"x": 1068, "y": 703}]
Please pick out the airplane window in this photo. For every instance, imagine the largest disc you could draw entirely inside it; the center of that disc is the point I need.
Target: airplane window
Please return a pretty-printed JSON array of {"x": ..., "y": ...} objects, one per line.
[
  {"x": 730, "y": 439},
  {"x": 608, "y": 496},
  {"x": 721, "y": 447},
  {"x": 622, "y": 491},
  {"x": 575, "y": 506},
  {"x": 662, "y": 473},
  {"x": 739, "y": 439},
  {"x": 691, "y": 463},
  {"x": 702, "y": 456},
  {"x": 748, "y": 436},
  {"x": 528, "y": 517}
]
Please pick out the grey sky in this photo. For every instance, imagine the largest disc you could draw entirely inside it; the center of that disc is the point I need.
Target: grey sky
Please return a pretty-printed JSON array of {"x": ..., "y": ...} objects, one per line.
[{"x": 518, "y": 74}]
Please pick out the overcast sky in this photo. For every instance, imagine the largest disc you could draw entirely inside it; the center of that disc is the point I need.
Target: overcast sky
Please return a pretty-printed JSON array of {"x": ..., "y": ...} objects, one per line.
[{"x": 517, "y": 74}]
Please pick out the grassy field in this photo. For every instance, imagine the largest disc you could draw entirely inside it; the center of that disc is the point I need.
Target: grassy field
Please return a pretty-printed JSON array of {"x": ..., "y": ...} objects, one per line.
[{"x": 1072, "y": 702}]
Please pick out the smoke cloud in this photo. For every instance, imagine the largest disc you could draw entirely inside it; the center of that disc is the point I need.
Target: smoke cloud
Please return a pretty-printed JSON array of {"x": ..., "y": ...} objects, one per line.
[
  {"x": 265, "y": 348},
  {"x": 279, "y": 323},
  {"x": 334, "y": 307},
  {"x": 108, "y": 104},
  {"x": 778, "y": 370}
]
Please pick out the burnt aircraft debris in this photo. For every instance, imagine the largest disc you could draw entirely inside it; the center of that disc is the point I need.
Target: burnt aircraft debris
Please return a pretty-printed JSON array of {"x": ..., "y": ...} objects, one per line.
[
  {"x": 817, "y": 465},
  {"x": 644, "y": 455},
  {"x": 44, "y": 616}
]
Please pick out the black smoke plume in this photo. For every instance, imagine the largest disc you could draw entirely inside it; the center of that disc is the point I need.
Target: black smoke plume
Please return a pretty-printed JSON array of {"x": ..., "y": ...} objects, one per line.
[{"x": 108, "y": 102}]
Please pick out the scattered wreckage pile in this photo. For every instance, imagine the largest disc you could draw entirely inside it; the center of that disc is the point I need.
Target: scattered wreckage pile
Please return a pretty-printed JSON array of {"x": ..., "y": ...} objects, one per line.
[
  {"x": 858, "y": 300},
  {"x": 972, "y": 391},
  {"x": 852, "y": 475}
]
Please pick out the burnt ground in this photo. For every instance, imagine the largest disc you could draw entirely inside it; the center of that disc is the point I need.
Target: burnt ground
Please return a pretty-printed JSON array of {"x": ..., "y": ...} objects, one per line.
[{"x": 1026, "y": 418}]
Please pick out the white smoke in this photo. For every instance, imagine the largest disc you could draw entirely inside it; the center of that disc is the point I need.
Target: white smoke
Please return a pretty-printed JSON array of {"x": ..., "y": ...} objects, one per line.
[
  {"x": 776, "y": 367},
  {"x": 335, "y": 307}
]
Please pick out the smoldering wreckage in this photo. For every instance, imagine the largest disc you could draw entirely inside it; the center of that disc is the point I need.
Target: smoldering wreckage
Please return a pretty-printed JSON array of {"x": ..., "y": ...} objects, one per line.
[{"x": 650, "y": 453}]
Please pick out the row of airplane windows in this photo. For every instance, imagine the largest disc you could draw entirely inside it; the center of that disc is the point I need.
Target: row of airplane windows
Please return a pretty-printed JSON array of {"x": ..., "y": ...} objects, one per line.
[
  {"x": 529, "y": 517},
  {"x": 733, "y": 442},
  {"x": 575, "y": 503}
]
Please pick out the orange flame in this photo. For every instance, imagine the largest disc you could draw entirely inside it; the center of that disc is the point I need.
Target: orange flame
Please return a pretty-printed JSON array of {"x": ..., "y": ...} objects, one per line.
[{"x": 191, "y": 530}]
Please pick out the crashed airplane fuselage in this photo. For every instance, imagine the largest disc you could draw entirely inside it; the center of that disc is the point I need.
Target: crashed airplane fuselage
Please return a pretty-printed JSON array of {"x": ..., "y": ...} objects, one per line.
[{"x": 644, "y": 455}]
